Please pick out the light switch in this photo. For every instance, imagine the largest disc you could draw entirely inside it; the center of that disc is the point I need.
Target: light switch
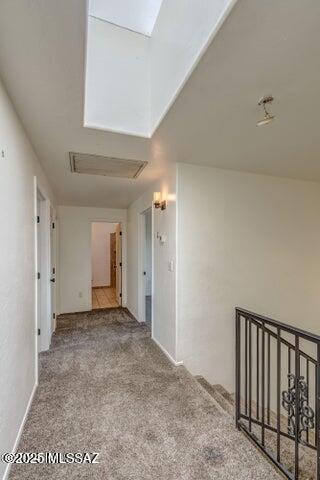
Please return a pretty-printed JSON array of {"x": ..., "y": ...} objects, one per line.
[{"x": 163, "y": 239}]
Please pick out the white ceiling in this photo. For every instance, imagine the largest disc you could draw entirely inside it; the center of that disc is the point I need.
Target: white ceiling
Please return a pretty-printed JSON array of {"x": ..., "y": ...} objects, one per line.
[
  {"x": 137, "y": 15},
  {"x": 262, "y": 48}
]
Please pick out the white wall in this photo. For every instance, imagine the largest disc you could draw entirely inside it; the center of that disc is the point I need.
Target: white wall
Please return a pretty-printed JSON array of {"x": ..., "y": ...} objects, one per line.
[
  {"x": 164, "y": 281},
  {"x": 244, "y": 240},
  {"x": 100, "y": 253},
  {"x": 139, "y": 15},
  {"x": 17, "y": 274},
  {"x": 117, "y": 79},
  {"x": 75, "y": 254},
  {"x": 177, "y": 46},
  {"x": 132, "y": 79}
]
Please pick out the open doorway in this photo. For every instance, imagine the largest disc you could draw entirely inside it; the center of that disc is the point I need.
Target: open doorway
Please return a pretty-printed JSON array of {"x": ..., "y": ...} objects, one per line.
[
  {"x": 147, "y": 265},
  {"x": 106, "y": 265}
]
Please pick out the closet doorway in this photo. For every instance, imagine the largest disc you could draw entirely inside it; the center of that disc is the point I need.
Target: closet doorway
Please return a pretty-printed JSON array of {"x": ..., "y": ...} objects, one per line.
[{"x": 106, "y": 265}]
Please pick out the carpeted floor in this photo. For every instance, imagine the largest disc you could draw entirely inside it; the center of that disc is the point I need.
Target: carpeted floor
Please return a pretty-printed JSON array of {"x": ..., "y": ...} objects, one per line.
[
  {"x": 148, "y": 311},
  {"x": 106, "y": 387}
]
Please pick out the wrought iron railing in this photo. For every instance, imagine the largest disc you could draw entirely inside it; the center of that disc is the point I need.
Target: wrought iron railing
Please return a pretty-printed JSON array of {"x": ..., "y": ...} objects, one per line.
[{"x": 278, "y": 392}]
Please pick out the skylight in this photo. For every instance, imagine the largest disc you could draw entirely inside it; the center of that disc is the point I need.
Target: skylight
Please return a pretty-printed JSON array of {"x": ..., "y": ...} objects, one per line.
[
  {"x": 140, "y": 54},
  {"x": 137, "y": 15}
]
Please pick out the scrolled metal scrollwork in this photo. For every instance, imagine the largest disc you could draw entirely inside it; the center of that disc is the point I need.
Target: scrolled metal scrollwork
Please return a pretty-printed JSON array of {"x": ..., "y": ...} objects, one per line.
[{"x": 290, "y": 403}]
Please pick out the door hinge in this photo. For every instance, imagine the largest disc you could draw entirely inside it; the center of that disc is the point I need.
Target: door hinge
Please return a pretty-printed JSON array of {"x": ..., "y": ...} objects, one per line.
[
  {"x": 120, "y": 295},
  {"x": 120, "y": 233},
  {"x": 53, "y": 226},
  {"x": 53, "y": 270},
  {"x": 38, "y": 275},
  {"x": 39, "y": 331},
  {"x": 120, "y": 264},
  {"x": 38, "y": 219},
  {"x": 54, "y": 316}
]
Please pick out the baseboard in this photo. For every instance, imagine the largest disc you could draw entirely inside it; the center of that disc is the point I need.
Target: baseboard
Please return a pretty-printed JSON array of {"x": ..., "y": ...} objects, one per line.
[
  {"x": 130, "y": 314},
  {"x": 17, "y": 440},
  {"x": 167, "y": 354}
]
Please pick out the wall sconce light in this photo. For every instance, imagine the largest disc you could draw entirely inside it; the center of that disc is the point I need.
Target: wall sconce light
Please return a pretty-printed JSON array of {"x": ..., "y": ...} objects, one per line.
[
  {"x": 163, "y": 204},
  {"x": 157, "y": 199}
]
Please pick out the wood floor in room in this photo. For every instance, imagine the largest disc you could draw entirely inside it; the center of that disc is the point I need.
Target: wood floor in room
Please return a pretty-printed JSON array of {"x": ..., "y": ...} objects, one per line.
[{"x": 104, "y": 297}]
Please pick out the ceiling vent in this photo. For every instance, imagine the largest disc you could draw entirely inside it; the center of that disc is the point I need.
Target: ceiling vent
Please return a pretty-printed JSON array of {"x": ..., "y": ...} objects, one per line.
[{"x": 106, "y": 166}]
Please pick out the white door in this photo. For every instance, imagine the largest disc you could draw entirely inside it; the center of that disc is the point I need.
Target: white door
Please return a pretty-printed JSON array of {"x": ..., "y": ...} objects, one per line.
[
  {"x": 147, "y": 265},
  {"x": 119, "y": 264},
  {"x": 44, "y": 317},
  {"x": 38, "y": 273},
  {"x": 148, "y": 252},
  {"x": 53, "y": 268}
]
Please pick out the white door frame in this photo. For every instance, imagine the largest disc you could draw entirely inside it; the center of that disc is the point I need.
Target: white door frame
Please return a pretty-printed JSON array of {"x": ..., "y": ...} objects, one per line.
[
  {"x": 43, "y": 318},
  {"x": 123, "y": 270},
  {"x": 141, "y": 257},
  {"x": 53, "y": 266}
]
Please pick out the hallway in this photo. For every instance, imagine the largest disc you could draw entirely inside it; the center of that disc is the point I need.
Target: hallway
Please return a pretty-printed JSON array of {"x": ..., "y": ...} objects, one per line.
[
  {"x": 106, "y": 387},
  {"x": 161, "y": 176}
]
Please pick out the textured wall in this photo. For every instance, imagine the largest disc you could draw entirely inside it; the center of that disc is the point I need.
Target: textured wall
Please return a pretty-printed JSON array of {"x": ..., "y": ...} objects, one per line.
[
  {"x": 75, "y": 254},
  {"x": 164, "y": 280},
  {"x": 245, "y": 240},
  {"x": 17, "y": 274}
]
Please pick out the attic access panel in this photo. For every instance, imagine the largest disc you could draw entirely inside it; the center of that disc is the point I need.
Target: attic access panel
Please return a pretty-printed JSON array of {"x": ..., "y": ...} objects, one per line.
[{"x": 105, "y": 166}]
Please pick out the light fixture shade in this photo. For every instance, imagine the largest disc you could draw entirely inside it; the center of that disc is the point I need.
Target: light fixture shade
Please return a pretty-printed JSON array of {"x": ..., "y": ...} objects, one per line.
[{"x": 157, "y": 199}]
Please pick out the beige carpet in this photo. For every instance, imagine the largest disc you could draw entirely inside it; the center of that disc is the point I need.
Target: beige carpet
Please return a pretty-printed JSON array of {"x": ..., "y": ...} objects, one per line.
[{"x": 106, "y": 387}]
